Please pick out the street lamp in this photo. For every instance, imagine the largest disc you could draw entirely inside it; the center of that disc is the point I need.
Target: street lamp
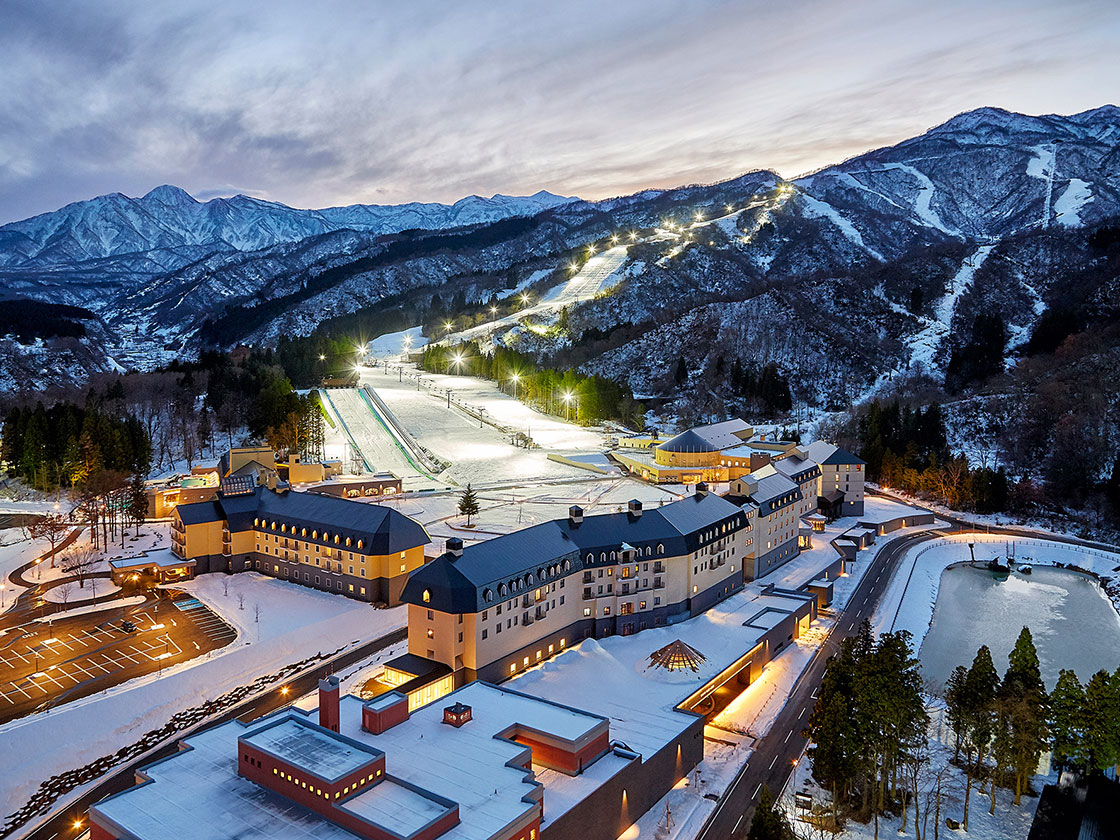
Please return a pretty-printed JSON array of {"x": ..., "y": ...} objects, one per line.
[
  {"x": 322, "y": 357},
  {"x": 515, "y": 379},
  {"x": 493, "y": 310},
  {"x": 567, "y": 398},
  {"x": 730, "y": 208},
  {"x": 633, "y": 236},
  {"x": 447, "y": 326},
  {"x": 614, "y": 239},
  {"x": 524, "y": 297}
]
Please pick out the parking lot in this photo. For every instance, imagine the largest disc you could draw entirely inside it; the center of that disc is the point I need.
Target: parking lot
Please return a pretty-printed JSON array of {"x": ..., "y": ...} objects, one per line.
[{"x": 46, "y": 663}]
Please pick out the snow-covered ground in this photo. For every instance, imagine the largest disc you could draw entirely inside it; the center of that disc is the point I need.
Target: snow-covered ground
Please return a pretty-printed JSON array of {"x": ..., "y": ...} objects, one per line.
[
  {"x": 598, "y": 274},
  {"x": 480, "y": 454},
  {"x": 1067, "y": 209},
  {"x": 277, "y": 622},
  {"x": 393, "y": 345},
  {"x": 1008, "y": 823},
  {"x": 924, "y": 344},
  {"x": 506, "y": 510},
  {"x": 379, "y": 448}
]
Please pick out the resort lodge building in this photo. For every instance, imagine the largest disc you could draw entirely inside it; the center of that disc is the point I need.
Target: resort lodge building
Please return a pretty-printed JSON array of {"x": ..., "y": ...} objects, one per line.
[
  {"x": 361, "y": 550},
  {"x": 493, "y": 609}
]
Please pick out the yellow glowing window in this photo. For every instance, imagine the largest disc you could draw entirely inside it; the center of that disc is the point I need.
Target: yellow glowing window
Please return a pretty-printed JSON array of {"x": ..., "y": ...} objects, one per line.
[{"x": 427, "y": 596}]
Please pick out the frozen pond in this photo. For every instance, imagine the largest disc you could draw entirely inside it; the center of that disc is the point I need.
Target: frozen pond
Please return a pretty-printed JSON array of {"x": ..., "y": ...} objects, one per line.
[{"x": 1073, "y": 623}]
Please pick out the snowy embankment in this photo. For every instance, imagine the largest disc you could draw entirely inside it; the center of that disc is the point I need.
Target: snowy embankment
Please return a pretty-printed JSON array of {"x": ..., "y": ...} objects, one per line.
[
  {"x": 277, "y": 622},
  {"x": 909, "y": 600}
]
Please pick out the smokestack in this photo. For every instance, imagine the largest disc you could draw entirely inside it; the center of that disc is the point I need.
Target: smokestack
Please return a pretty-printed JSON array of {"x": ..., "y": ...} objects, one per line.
[
  {"x": 635, "y": 508},
  {"x": 575, "y": 515},
  {"x": 455, "y": 547},
  {"x": 701, "y": 489},
  {"x": 328, "y": 703}
]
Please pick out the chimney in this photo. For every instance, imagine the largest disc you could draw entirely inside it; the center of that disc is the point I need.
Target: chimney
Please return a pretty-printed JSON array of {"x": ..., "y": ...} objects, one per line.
[
  {"x": 454, "y": 547},
  {"x": 701, "y": 489},
  {"x": 575, "y": 515},
  {"x": 328, "y": 703},
  {"x": 759, "y": 460},
  {"x": 635, "y": 509}
]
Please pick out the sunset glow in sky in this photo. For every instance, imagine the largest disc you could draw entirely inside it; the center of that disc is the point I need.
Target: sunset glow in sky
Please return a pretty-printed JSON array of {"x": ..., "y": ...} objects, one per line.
[{"x": 317, "y": 104}]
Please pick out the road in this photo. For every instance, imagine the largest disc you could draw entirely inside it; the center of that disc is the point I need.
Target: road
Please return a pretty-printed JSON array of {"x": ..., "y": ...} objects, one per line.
[
  {"x": 44, "y": 663},
  {"x": 772, "y": 761},
  {"x": 71, "y": 821}
]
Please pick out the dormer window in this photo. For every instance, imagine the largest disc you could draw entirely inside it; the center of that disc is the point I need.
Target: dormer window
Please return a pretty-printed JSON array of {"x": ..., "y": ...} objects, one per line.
[{"x": 426, "y": 596}]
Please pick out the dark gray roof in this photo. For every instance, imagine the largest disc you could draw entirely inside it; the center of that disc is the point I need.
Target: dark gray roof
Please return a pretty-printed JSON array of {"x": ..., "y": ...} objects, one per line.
[
  {"x": 506, "y": 566},
  {"x": 688, "y": 441},
  {"x": 381, "y": 529},
  {"x": 830, "y": 454}
]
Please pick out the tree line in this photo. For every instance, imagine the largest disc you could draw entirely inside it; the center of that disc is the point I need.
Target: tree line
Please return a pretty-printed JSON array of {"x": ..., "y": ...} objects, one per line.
[
  {"x": 1002, "y": 726},
  {"x": 130, "y": 424},
  {"x": 868, "y": 726},
  {"x": 907, "y": 449},
  {"x": 564, "y": 393}
]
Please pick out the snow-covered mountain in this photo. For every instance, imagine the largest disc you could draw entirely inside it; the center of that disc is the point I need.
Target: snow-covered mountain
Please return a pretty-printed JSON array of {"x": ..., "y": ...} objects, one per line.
[
  {"x": 872, "y": 265},
  {"x": 169, "y": 221}
]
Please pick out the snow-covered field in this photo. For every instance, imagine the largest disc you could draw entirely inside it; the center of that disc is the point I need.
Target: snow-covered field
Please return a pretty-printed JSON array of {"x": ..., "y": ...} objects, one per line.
[
  {"x": 277, "y": 623},
  {"x": 481, "y": 454},
  {"x": 506, "y": 510},
  {"x": 925, "y": 344}
]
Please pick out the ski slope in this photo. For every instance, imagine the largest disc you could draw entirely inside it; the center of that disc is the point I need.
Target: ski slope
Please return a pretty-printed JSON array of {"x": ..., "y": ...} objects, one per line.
[
  {"x": 379, "y": 449},
  {"x": 924, "y": 345},
  {"x": 597, "y": 275},
  {"x": 480, "y": 453}
]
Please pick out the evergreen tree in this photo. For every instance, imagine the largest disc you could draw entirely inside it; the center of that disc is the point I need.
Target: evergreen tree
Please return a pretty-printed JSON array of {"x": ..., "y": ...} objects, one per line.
[
  {"x": 955, "y": 705},
  {"x": 1022, "y": 700},
  {"x": 769, "y": 822},
  {"x": 138, "y": 501},
  {"x": 1067, "y": 702},
  {"x": 1099, "y": 718},
  {"x": 680, "y": 375},
  {"x": 468, "y": 504}
]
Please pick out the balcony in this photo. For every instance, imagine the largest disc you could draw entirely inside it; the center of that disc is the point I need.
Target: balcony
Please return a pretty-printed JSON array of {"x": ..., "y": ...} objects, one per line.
[
  {"x": 587, "y": 578},
  {"x": 587, "y": 596},
  {"x": 527, "y": 619},
  {"x": 658, "y": 567},
  {"x": 658, "y": 583}
]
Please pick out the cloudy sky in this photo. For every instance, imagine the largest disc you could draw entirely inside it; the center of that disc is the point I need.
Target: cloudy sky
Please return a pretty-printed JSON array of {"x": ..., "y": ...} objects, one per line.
[{"x": 322, "y": 103}]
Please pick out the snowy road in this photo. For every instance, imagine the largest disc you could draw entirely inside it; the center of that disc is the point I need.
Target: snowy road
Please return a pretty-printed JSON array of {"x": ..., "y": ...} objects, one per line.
[{"x": 597, "y": 275}]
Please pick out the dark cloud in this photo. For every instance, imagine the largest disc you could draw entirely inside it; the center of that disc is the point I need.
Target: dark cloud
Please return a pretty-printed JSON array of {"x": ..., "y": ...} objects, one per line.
[{"x": 341, "y": 102}]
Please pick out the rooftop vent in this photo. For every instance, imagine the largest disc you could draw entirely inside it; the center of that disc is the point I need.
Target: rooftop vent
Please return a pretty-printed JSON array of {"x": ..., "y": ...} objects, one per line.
[
  {"x": 575, "y": 514},
  {"x": 454, "y": 546},
  {"x": 457, "y": 714},
  {"x": 701, "y": 489},
  {"x": 635, "y": 508}
]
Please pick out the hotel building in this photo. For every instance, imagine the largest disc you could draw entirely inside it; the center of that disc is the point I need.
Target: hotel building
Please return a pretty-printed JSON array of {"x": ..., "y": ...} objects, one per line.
[{"x": 361, "y": 550}]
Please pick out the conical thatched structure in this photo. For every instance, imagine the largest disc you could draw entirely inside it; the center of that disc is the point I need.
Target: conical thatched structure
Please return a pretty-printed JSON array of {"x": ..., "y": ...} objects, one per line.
[{"x": 676, "y": 656}]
